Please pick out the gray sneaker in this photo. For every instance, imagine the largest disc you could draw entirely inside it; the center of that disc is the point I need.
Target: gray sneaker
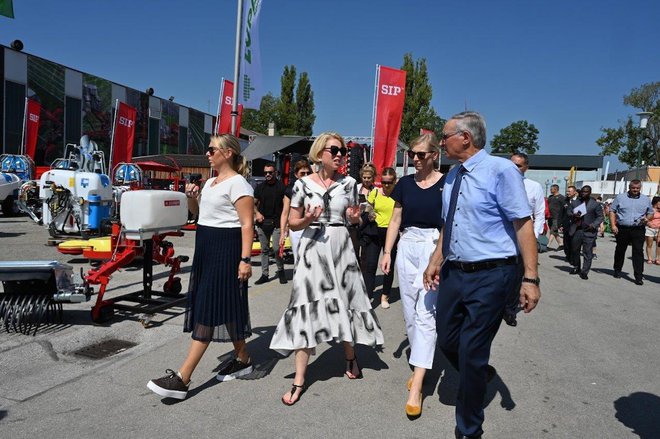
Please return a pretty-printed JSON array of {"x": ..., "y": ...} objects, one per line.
[
  {"x": 169, "y": 386},
  {"x": 234, "y": 369}
]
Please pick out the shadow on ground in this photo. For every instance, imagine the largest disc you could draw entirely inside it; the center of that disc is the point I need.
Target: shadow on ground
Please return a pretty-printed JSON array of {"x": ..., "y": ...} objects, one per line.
[{"x": 639, "y": 412}]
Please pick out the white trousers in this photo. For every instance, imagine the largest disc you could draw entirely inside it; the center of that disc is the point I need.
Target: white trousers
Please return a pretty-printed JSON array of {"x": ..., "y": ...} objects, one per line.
[{"x": 413, "y": 253}]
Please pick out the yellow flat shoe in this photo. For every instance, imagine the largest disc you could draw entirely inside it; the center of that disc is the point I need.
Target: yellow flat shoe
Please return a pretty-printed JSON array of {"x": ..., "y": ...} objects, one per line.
[{"x": 414, "y": 411}]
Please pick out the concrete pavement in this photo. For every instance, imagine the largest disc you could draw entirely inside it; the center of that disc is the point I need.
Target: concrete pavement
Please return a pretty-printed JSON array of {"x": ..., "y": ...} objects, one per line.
[{"x": 584, "y": 364}]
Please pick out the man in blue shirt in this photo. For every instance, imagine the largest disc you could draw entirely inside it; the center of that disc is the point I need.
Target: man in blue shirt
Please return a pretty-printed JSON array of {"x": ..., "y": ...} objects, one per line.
[
  {"x": 629, "y": 214},
  {"x": 487, "y": 228}
]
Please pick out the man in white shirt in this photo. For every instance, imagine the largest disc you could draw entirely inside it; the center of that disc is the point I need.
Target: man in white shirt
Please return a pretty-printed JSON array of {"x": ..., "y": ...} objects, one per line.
[
  {"x": 536, "y": 200},
  {"x": 535, "y": 194}
]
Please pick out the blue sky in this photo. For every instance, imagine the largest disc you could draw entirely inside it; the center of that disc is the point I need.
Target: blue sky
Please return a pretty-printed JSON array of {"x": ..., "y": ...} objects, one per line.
[{"x": 562, "y": 65}]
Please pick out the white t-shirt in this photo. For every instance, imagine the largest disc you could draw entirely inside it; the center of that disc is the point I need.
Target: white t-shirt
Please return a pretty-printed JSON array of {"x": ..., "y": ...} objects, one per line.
[{"x": 216, "y": 206}]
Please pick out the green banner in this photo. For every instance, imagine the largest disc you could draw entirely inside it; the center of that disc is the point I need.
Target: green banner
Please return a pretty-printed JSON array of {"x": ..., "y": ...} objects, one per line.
[{"x": 7, "y": 8}]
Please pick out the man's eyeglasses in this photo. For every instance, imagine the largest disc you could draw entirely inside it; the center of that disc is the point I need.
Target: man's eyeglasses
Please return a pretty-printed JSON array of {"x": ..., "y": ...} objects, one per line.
[
  {"x": 336, "y": 149},
  {"x": 519, "y": 165},
  {"x": 445, "y": 136},
  {"x": 269, "y": 172},
  {"x": 421, "y": 155},
  {"x": 211, "y": 150},
  {"x": 303, "y": 173}
]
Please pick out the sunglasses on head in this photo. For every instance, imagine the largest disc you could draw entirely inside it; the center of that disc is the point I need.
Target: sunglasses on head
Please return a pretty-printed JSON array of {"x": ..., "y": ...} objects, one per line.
[
  {"x": 421, "y": 155},
  {"x": 336, "y": 149}
]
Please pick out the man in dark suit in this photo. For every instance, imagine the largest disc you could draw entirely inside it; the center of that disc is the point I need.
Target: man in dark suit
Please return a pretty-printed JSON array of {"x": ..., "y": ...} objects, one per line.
[
  {"x": 586, "y": 217},
  {"x": 571, "y": 195}
]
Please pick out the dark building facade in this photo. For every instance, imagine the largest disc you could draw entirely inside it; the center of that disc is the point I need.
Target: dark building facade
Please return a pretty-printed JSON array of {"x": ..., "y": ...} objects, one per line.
[{"x": 74, "y": 103}]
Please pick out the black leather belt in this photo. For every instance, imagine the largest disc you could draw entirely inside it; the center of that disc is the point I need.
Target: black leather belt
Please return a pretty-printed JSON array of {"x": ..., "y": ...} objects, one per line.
[
  {"x": 471, "y": 267},
  {"x": 638, "y": 226},
  {"x": 328, "y": 224}
]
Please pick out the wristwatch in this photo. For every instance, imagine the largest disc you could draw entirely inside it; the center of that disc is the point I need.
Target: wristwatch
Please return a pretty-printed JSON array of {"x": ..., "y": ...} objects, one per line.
[
  {"x": 246, "y": 260},
  {"x": 536, "y": 281}
]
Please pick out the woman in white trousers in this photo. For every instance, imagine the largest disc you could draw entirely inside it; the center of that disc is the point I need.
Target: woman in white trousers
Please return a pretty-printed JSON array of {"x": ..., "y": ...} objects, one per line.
[{"x": 418, "y": 216}]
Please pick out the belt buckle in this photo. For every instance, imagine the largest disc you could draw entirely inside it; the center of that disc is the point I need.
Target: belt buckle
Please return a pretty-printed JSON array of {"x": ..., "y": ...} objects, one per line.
[{"x": 469, "y": 267}]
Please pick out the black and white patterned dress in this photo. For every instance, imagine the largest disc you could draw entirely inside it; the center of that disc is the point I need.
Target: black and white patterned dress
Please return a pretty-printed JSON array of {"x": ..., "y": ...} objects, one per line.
[{"x": 328, "y": 299}]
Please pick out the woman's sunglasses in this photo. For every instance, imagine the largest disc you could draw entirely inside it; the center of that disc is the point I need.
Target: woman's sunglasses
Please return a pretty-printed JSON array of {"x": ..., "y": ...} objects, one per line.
[
  {"x": 421, "y": 155},
  {"x": 211, "y": 150},
  {"x": 387, "y": 183},
  {"x": 336, "y": 149}
]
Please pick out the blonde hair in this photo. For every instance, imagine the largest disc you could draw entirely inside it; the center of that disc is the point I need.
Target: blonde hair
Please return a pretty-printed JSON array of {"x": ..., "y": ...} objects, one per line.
[
  {"x": 430, "y": 140},
  {"x": 368, "y": 167},
  {"x": 317, "y": 147},
  {"x": 230, "y": 142}
]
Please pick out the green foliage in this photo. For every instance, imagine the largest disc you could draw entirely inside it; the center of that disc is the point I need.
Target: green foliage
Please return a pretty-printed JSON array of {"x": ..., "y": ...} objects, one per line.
[
  {"x": 287, "y": 114},
  {"x": 417, "y": 110},
  {"x": 257, "y": 120},
  {"x": 520, "y": 136},
  {"x": 305, "y": 106},
  {"x": 292, "y": 111},
  {"x": 626, "y": 140}
]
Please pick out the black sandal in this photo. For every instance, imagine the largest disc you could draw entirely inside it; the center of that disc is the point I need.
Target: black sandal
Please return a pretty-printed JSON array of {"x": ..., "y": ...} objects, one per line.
[
  {"x": 349, "y": 368},
  {"x": 295, "y": 387}
]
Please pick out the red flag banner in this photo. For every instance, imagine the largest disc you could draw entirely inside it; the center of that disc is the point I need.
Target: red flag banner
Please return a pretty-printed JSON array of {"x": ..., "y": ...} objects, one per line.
[
  {"x": 122, "y": 147},
  {"x": 32, "y": 116},
  {"x": 390, "y": 96},
  {"x": 224, "y": 118}
]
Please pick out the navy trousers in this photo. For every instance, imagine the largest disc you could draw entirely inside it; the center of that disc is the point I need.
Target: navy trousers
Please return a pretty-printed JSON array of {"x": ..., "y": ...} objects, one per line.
[{"x": 468, "y": 314}]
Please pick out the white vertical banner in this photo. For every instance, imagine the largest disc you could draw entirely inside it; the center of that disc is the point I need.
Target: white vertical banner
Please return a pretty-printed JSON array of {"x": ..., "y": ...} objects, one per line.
[{"x": 250, "y": 91}]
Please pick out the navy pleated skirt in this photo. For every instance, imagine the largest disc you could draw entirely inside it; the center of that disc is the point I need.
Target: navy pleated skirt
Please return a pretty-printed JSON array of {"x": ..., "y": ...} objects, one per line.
[{"x": 217, "y": 308}]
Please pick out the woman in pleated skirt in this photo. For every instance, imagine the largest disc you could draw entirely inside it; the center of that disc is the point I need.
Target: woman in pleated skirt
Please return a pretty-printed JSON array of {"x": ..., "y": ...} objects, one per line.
[{"x": 217, "y": 307}]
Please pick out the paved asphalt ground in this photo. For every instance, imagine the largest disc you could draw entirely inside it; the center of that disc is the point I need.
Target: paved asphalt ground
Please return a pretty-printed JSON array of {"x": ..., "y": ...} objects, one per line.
[{"x": 584, "y": 364}]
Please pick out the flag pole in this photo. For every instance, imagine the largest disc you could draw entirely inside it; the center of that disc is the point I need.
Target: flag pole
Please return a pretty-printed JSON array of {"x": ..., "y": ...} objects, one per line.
[
  {"x": 237, "y": 56},
  {"x": 373, "y": 113},
  {"x": 112, "y": 138},
  {"x": 23, "y": 146}
]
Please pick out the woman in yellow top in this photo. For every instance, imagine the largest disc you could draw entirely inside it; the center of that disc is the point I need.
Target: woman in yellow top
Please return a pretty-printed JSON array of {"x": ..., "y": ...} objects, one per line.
[{"x": 383, "y": 206}]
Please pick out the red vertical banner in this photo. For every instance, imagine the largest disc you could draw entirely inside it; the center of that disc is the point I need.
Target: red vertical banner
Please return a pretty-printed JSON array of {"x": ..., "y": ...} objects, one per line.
[
  {"x": 122, "y": 145},
  {"x": 224, "y": 118},
  {"x": 390, "y": 96},
  {"x": 32, "y": 116}
]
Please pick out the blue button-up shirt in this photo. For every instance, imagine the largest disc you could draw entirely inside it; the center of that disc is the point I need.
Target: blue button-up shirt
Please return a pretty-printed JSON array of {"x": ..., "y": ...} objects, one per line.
[
  {"x": 630, "y": 211},
  {"x": 492, "y": 195}
]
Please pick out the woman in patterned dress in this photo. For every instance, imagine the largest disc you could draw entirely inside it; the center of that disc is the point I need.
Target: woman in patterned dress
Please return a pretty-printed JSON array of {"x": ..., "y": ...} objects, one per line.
[{"x": 328, "y": 299}]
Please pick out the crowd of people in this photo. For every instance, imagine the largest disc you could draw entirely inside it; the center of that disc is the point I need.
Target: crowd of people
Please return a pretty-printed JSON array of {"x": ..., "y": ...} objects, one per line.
[
  {"x": 633, "y": 218},
  {"x": 465, "y": 246}
]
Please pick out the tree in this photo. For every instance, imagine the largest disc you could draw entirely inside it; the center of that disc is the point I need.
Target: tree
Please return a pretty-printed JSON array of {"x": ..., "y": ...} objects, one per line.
[
  {"x": 520, "y": 136},
  {"x": 286, "y": 112},
  {"x": 305, "y": 105},
  {"x": 258, "y": 120},
  {"x": 417, "y": 110},
  {"x": 292, "y": 112},
  {"x": 626, "y": 140}
]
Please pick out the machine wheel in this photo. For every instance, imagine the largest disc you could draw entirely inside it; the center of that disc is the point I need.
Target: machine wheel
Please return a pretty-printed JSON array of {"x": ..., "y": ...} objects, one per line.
[
  {"x": 9, "y": 207},
  {"x": 172, "y": 288}
]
